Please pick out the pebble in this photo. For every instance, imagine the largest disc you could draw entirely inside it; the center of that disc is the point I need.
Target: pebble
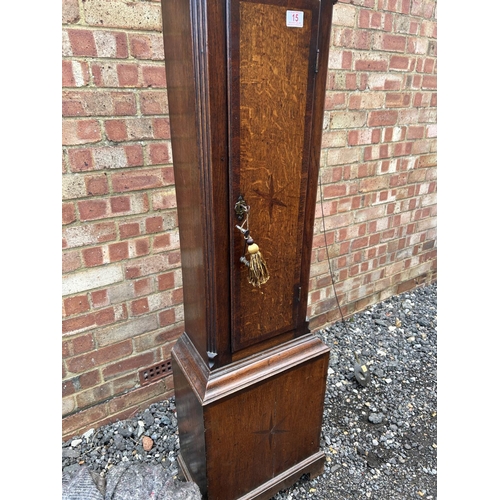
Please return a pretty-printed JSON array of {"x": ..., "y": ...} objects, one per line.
[{"x": 376, "y": 418}]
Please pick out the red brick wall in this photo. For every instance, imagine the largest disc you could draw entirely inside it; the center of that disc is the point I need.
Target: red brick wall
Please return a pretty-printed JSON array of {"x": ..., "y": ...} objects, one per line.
[
  {"x": 122, "y": 286},
  {"x": 379, "y": 156}
]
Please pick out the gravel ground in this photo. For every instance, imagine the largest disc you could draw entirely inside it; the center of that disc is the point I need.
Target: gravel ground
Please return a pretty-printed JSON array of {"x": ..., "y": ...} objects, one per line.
[{"x": 380, "y": 439}]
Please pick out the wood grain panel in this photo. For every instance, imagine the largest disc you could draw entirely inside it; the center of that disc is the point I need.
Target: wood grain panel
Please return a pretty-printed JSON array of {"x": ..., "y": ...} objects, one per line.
[
  {"x": 258, "y": 433},
  {"x": 271, "y": 95},
  {"x": 184, "y": 124}
]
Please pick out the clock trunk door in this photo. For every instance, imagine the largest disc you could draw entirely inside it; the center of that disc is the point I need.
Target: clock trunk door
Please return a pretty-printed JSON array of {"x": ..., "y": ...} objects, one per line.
[{"x": 272, "y": 67}]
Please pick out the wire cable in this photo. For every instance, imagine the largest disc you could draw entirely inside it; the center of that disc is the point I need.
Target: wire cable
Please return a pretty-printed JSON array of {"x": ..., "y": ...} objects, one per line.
[
  {"x": 328, "y": 254},
  {"x": 361, "y": 371}
]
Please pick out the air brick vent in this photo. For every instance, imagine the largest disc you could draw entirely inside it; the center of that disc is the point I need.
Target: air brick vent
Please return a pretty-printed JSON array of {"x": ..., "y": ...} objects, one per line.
[{"x": 155, "y": 372}]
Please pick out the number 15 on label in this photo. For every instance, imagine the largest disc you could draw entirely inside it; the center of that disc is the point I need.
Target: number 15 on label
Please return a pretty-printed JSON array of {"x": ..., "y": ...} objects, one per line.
[{"x": 294, "y": 19}]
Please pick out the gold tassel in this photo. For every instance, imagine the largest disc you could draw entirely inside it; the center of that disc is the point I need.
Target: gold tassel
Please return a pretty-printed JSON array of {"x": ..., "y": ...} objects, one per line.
[{"x": 257, "y": 269}]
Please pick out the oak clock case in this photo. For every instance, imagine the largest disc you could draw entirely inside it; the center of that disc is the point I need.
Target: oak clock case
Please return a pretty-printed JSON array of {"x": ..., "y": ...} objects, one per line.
[{"x": 246, "y": 84}]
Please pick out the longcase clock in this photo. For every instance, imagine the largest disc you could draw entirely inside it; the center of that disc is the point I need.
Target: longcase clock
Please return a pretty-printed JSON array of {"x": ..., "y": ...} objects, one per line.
[{"x": 246, "y": 88}]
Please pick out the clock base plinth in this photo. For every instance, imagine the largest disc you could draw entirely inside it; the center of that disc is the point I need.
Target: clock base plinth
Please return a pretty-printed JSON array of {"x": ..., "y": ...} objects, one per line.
[
  {"x": 313, "y": 466},
  {"x": 251, "y": 428}
]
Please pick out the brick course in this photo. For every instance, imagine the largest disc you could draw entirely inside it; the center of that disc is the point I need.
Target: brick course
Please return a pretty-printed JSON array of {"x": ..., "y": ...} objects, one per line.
[{"x": 122, "y": 286}]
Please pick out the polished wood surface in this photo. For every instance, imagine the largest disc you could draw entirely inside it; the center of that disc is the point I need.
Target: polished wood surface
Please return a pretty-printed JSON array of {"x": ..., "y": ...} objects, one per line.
[
  {"x": 189, "y": 166},
  {"x": 230, "y": 137},
  {"x": 246, "y": 97},
  {"x": 195, "y": 58},
  {"x": 249, "y": 423},
  {"x": 272, "y": 76}
]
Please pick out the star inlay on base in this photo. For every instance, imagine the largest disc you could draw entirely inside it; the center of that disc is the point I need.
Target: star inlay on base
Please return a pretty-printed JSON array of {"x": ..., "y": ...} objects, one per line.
[{"x": 272, "y": 430}]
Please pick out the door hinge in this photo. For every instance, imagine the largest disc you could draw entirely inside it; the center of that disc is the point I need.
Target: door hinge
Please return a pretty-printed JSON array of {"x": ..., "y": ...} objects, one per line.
[{"x": 317, "y": 61}]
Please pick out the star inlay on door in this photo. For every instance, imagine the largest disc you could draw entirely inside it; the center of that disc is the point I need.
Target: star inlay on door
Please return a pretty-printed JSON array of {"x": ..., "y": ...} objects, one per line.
[{"x": 271, "y": 196}]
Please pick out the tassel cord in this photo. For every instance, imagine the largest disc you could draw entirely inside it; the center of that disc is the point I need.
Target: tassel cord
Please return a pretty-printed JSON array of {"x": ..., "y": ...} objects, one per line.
[{"x": 258, "y": 274}]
